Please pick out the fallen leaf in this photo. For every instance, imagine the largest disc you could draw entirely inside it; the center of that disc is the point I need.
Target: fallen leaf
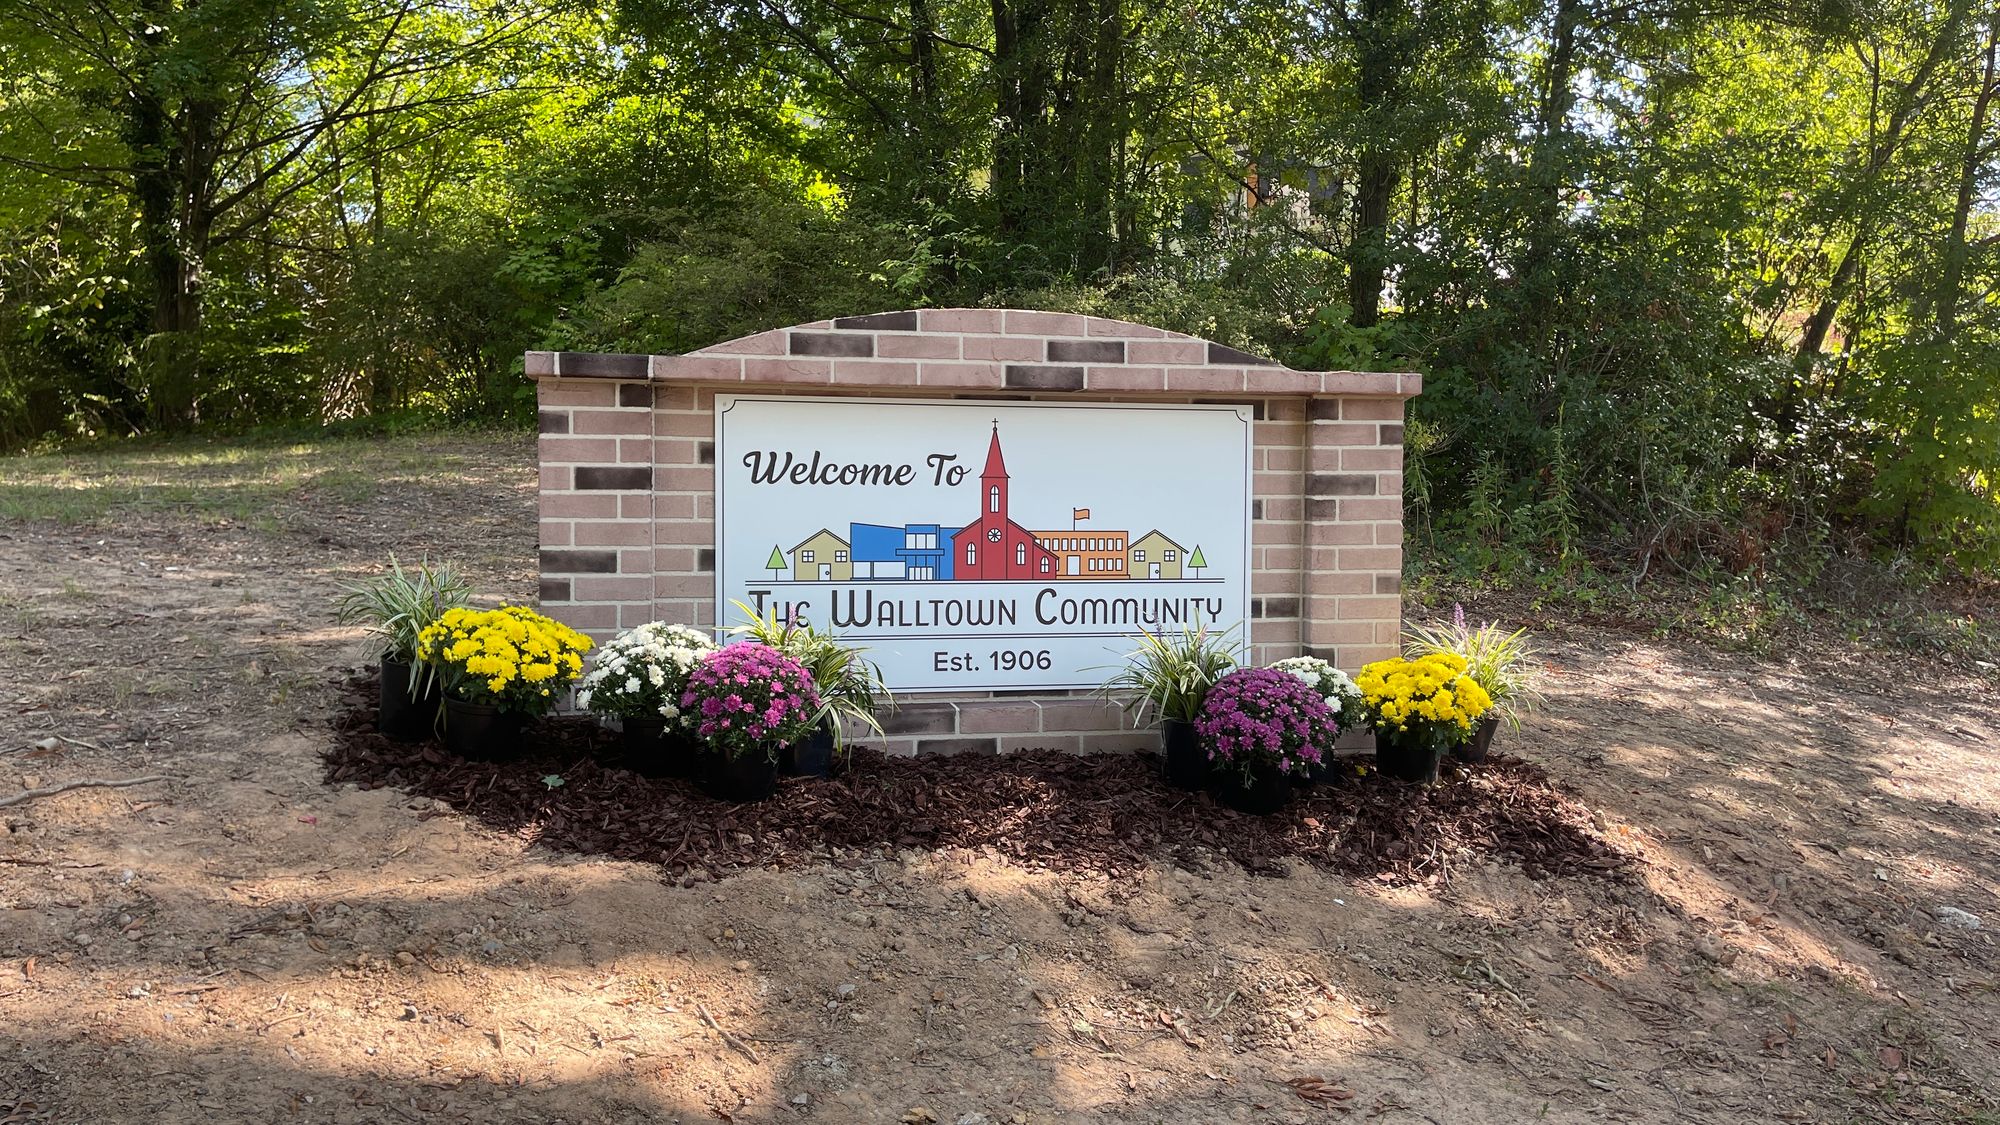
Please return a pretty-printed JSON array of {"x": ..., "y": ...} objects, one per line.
[
  {"x": 28, "y": 969},
  {"x": 1891, "y": 1058},
  {"x": 1315, "y": 1089}
]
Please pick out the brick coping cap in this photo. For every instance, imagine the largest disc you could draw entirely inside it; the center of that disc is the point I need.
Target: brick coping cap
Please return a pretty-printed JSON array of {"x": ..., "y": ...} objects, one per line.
[{"x": 721, "y": 364}]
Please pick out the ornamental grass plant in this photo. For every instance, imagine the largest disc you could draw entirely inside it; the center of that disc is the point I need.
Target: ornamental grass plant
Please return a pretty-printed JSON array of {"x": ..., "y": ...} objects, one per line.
[
  {"x": 1502, "y": 663},
  {"x": 511, "y": 658},
  {"x": 1428, "y": 703},
  {"x": 1170, "y": 674},
  {"x": 1263, "y": 717},
  {"x": 748, "y": 697},
  {"x": 641, "y": 673},
  {"x": 397, "y": 606}
]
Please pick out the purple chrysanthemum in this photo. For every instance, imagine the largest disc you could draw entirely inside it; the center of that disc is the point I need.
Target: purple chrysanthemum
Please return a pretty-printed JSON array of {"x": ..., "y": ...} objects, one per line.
[
  {"x": 750, "y": 697},
  {"x": 1260, "y": 716}
]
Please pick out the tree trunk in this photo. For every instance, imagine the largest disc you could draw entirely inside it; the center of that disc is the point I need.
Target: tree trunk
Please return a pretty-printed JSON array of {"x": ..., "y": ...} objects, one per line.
[
  {"x": 1009, "y": 111},
  {"x": 1549, "y": 161},
  {"x": 1911, "y": 99},
  {"x": 1381, "y": 44},
  {"x": 1951, "y": 281},
  {"x": 173, "y": 185},
  {"x": 1102, "y": 109}
]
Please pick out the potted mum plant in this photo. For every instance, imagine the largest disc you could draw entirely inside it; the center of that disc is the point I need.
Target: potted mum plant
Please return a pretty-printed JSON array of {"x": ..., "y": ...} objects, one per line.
[
  {"x": 1341, "y": 696},
  {"x": 748, "y": 701},
  {"x": 1168, "y": 676},
  {"x": 500, "y": 667},
  {"x": 1420, "y": 708},
  {"x": 850, "y": 689},
  {"x": 396, "y": 607},
  {"x": 1500, "y": 662},
  {"x": 637, "y": 677},
  {"x": 1262, "y": 728}
]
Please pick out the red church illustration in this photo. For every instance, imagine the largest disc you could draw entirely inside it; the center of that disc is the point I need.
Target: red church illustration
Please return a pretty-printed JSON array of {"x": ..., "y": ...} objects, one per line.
[{"x": 993, "y": 548}]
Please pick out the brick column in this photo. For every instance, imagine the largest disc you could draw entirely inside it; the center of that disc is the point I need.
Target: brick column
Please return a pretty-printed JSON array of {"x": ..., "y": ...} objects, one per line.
[
  {"x": 596, "y": 447},
  {"x": 1353, "y": 524}
]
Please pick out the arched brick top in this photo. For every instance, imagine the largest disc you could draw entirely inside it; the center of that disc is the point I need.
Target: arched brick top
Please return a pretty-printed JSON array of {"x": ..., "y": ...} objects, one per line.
[{"x": 971, "y": 350}]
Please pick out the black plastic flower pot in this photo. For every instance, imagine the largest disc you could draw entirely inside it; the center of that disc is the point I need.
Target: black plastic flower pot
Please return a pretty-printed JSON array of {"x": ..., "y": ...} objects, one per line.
[
  {"x": 648, "y": 748},
  {"x": 1185, "y": 765},
  {"x": 398, "y": 715},
  {"x": 810, "y": 757},
  {"x": 1475, "y": 749},
  {"x": 1264, "y": 791},
  {"x": 751, "y": 776},
  {"x": 481, "y": 732},
  {"x": 1399, "y": 759}
]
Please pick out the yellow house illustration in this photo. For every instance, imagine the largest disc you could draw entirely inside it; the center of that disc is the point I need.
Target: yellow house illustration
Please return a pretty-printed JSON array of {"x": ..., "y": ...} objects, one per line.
[
  {"x": 822, "y": 557},
  {"x": 1155, "y": 556}
]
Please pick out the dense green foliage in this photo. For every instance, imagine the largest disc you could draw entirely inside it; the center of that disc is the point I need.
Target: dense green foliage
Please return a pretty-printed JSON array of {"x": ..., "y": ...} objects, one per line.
[{"x": 1686, "y": 283}]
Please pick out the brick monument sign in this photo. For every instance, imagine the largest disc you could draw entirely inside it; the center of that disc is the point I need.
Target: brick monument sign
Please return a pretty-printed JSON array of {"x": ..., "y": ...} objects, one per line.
[{"x": 991, "y": 501}]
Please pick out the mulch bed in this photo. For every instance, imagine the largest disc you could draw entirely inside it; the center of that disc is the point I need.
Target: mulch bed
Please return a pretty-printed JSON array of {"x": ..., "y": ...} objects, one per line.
[{"x": 1109, "y": 813}]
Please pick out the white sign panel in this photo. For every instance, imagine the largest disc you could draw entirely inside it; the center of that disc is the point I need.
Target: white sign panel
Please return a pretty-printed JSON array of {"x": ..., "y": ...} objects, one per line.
[{"x": 976, "y": 545}]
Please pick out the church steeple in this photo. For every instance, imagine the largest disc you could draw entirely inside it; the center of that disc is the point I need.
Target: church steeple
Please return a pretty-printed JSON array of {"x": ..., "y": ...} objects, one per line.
[
  {"x": 993, "y": 481},
  {"x": 995, "y": 466}
]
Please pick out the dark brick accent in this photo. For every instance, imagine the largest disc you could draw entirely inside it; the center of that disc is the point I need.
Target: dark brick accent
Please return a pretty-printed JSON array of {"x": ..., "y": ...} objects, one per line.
[
  {"x": 635, "y": 394},
  {"x": 552, "y": 422},
  {"x": 1256, "y": 509},
  {"x": 1224, "y": 354},
  {"x": 958, "y": 746},
  {"x": 600, "y": 365},
  {"x": 1323, "y": 409},
  {"x": 879, "y": 322},
  {"x": 580, "y": 562},
  {"x": 599, "y": 477},
  {"x": 1086, "y": 351},
  {"x": 555, "y": 590},
  {"x": 704, "y": 560},
  {"x": 1321, "y": 511},
  {"x": 1388, "y": 583},
  {"x": 704, "y": 453},
  {"x": 827, "y": 343},
  {"x": 1033, "y": 377},
  {"x": 1392, "y": 433},
  {"x": 1256, "y": 405},
  {"x": 1276, "y": 607},
  {"x": 921, "y": 718},
  {"x": 1340, "y": 484}
]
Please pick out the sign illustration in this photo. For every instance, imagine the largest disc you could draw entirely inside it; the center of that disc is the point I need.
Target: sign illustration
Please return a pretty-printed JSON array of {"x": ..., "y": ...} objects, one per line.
[{"x": 923, "y": 530}]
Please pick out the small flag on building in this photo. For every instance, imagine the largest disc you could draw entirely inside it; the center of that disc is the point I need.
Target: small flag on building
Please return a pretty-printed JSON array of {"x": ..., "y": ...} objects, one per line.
[{"x": 1079, "y": 513}]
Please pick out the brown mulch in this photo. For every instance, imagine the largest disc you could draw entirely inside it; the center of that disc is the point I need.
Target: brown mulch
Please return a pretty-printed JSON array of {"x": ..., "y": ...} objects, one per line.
[{"x": 1110, "y": 813}]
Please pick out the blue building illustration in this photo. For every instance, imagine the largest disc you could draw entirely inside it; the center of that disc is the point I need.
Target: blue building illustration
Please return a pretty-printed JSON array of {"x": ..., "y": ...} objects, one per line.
[{"x": 915, "y": 552}]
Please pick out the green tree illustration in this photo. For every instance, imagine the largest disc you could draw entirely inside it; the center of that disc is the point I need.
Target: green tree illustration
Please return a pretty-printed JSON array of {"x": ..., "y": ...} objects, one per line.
[
  {"x": 1196, "y": 562},
  {"x": 776, "y": 563}
]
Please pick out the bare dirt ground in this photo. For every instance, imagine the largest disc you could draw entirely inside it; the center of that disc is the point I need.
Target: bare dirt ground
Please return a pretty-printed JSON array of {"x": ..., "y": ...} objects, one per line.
[{"x": 245, "y": 943}]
